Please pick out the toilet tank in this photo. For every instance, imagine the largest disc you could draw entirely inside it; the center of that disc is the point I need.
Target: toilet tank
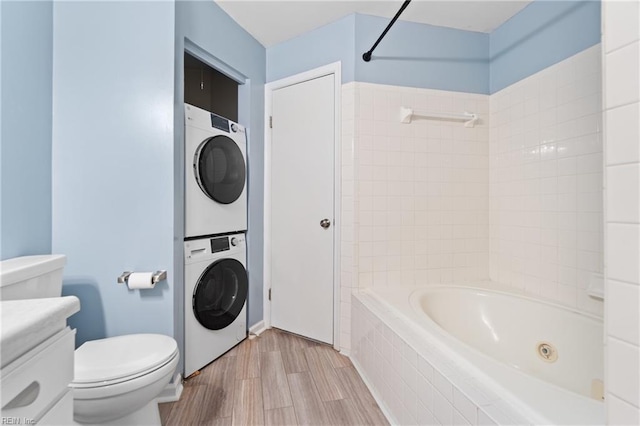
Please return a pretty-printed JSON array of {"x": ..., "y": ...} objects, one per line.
[{"x": 31, "y": 277}]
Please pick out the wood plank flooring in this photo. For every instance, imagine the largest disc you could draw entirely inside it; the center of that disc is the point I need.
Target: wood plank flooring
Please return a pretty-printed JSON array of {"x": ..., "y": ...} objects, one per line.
[{"x": 276, "y": 379}]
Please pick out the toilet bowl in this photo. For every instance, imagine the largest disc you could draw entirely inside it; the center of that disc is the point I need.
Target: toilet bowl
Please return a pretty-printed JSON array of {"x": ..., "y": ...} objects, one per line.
[{"x": 117, "y": 379}]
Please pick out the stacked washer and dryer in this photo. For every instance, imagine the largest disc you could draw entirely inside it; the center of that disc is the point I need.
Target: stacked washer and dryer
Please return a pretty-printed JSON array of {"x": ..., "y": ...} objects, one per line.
[{"x": 215, "y": 276}]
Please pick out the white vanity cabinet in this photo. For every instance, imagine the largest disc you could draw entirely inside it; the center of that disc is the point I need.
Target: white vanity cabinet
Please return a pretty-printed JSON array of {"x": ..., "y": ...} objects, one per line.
[
  {"x": 35, "y": 387},
  {"x": 36, "y": 355}
]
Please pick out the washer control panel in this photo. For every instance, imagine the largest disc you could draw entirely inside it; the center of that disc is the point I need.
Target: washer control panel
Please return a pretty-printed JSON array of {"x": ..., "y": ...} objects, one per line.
[
  {"x": 197, "y": 249},
  {"x": 219, "y": 244}
]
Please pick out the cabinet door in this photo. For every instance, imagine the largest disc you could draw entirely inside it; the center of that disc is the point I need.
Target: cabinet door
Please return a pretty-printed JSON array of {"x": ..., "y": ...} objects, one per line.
[
  {"x": 61, "y": 413},
  {"x": 35, "y": 381}
]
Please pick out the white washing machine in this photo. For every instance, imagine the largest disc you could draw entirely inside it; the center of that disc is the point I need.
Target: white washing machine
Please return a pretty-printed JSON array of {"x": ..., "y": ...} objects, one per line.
[
  {"x": 216, "y": 286},
  {"x": 215, "y": 174}
]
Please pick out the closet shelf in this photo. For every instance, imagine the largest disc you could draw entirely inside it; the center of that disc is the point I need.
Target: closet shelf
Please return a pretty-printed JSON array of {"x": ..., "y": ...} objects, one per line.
[{"x": 406, "y": 114}]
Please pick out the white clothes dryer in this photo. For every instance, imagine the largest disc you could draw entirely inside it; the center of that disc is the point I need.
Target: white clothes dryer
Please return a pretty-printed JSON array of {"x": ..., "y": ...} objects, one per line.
[
  {"x": 216, "y": 287},
  {"x": 215, "y": 174}
]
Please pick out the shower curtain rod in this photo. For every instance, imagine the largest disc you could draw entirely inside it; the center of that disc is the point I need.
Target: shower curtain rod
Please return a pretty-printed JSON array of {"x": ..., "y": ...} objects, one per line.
[{"x": 366, "y": 56}]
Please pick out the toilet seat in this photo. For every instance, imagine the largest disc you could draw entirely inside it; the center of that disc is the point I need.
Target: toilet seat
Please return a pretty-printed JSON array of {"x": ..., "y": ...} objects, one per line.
[
  {"x": 107, "y": 392},
  {"x": 115, "y": 360}
]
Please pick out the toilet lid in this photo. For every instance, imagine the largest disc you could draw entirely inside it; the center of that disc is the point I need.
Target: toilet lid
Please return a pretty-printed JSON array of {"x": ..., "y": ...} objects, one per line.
[{"x": 122, "y": 356}]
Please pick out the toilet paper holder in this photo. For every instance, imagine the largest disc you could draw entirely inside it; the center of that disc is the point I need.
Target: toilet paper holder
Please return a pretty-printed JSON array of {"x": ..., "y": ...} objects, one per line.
[{"x": 155, "y": 278}]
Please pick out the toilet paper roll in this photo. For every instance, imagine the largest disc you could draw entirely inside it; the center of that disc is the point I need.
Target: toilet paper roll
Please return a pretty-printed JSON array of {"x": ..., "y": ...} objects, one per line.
[{"x": 140, "y": 280}]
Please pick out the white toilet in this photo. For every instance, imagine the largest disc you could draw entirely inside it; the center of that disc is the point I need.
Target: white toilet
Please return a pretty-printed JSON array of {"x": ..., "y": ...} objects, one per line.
[{"x": 116, "y": 379}]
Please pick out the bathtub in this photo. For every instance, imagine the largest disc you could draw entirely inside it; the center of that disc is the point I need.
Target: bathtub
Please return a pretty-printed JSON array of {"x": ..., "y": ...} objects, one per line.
[{"x": 540, "y": 362}]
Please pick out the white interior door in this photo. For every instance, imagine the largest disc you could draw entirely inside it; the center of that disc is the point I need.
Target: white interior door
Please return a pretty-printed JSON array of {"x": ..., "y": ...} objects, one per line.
[{"x": 302, "y": 196}]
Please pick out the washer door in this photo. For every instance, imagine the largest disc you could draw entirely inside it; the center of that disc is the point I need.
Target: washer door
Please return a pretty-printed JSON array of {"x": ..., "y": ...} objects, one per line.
[
  {"x": 220, "y": 294},
  {"x": 220, "y": 169}
]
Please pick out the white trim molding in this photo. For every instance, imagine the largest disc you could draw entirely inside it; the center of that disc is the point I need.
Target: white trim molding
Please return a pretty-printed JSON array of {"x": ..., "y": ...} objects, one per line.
[{"x": 257, "y": 328}]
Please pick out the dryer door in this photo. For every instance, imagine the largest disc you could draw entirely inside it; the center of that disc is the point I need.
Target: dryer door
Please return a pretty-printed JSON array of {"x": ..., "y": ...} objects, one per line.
[
  {"x": 220, "y": 294},
  {"x": 220, "y": 169}
]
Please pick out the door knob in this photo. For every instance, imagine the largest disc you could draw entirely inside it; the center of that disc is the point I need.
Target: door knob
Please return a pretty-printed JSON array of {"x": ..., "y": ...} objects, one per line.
[{"x": 325, "y": 223}]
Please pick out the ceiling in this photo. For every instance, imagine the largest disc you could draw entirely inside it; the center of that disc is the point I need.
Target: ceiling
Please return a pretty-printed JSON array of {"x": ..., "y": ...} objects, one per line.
[{"x": 271, "y": 22}]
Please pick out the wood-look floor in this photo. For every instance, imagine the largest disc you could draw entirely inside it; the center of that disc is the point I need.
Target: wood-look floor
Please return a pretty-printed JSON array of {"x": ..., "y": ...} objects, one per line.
[{"x": 276, "y": 379}]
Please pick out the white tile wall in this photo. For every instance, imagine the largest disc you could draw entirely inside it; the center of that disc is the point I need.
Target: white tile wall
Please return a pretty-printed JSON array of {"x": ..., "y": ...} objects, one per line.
[
  {"x": 623, "y": 193},
  {"x": 545, "y": 185},
  {"x": 622, "y": 375},
  {"x": 623, "y": 133},
  {"x": 422, "y": 188},
  {"x": 623, "y": 322},
  {"x": 622, "y": 75},
  {"x": 625, "y": 30},
  {"x": 621, "y": 412},
  {"x": 623, "y": 251},
  {"x": 348, "y": 247},
  {"x": 406, "y": 217},
  {"x": 621, "y": 40},
  {"x": 414, "y": 196}
]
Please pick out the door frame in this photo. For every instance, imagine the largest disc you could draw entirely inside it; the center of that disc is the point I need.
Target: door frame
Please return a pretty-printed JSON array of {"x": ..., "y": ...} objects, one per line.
[{"x": 330, "y": 69}]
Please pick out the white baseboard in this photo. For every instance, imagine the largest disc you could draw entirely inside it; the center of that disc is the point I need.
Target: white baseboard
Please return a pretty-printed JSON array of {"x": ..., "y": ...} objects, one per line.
[
  {"x": 257, "y": 328},
  {"x": 172, "y": 392}
]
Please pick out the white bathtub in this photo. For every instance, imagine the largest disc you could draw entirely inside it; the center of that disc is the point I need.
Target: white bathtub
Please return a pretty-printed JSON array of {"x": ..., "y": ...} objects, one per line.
[{"x": 494, "y": 337}]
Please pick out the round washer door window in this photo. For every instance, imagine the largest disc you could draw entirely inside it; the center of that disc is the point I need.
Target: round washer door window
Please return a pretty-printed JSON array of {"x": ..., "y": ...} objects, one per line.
[
  {"x": 220, "y": 294},
  {"x": 220, "y": 169}
]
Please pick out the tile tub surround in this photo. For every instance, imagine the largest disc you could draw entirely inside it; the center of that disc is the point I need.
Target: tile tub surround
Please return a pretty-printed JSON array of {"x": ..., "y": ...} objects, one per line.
[
  {"x": 545, "y": 185},
  {"x": 421, "y": 209},
  {"x": 621, "y": 49},
  {"x": 414, "y": 196},
  {"x": 347, "y": 231},
  {"x": 517, "y": 199},
  {"x": 417, "y": 379}
]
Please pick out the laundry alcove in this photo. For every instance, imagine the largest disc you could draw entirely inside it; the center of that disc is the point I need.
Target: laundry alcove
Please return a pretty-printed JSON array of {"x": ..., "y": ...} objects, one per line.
[{"x": 209, "y": 89}]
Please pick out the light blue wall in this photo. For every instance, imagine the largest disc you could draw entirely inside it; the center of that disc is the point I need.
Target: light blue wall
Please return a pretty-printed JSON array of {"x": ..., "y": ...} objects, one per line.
[
  {"x": 542, "y": 34},
  {"x": 117, "y": 159},
  {"x": 208, "y": 27},
  {"x": 25, "y": 136},
  {"x": 327, "y": 44},
  {"x": 113, "y": 161},
  {"x": 414, "y": 55},
  {"x": 420, "y": 55},
  {"x": 426, "y": 56}
]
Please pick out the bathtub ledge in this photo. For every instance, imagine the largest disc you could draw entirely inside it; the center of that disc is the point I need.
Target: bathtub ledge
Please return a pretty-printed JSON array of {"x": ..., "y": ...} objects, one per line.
[{"x": 457, "y": 372}]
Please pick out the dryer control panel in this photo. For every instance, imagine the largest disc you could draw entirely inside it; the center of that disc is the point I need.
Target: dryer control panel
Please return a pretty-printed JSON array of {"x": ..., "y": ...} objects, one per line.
[
  {"x": 205, "y": 120},
  {"x": 220, "y": 122}
]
